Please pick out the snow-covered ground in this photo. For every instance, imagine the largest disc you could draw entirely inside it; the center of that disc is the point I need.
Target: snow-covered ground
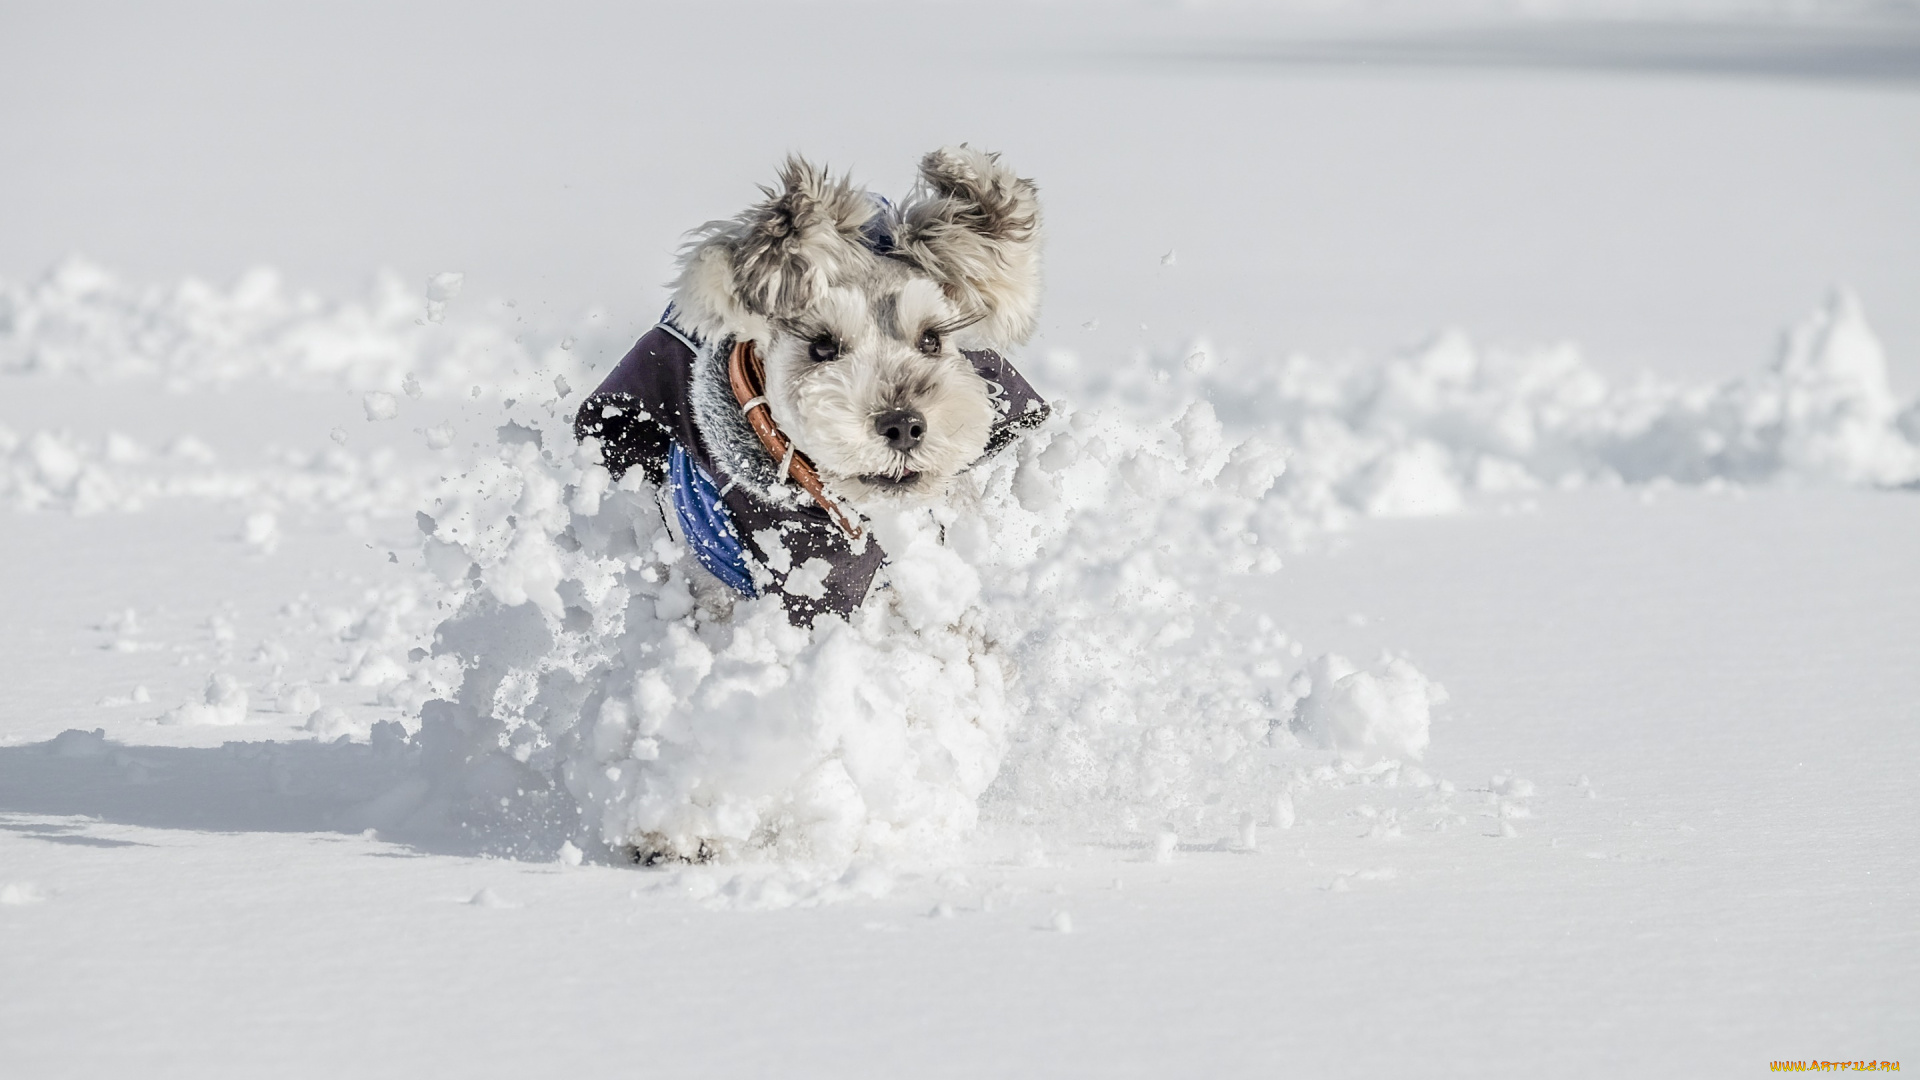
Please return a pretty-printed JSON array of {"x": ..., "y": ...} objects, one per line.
[{"x": 1324, "y": 691}]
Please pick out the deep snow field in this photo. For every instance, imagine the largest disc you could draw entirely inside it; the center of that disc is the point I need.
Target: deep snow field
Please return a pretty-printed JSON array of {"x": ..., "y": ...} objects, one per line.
[{"x": 1323, "y": 691}]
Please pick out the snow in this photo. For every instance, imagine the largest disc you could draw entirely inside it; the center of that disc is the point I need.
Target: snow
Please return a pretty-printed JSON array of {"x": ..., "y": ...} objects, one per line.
[
  {"x": 441, "y": 290},
  {"x": 338, "y": 677},
  {"x": 1367, "y": 716},
  {"x": 223, "y": 703},
  {"x": 381, "y": 405},
  {"x": 1666, "y": 684},
  {"x": 1796, "y": 727}
]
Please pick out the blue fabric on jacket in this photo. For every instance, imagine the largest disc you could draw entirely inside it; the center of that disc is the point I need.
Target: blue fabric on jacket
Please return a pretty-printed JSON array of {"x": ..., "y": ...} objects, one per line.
[{"x": 705, "y": 523}]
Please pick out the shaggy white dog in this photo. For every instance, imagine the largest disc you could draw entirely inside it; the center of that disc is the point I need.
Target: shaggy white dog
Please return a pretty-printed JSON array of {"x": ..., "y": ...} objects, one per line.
[{"x": 824, "y": 349}]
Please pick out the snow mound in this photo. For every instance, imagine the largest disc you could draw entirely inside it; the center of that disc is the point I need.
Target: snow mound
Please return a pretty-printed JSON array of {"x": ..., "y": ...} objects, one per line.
[
  {"x": 1421, "y": 432},
  {"x": 59, "y": 470},
  {"x": 80, "y": 320},
  {"x": 1038, "y": 656},
  {"x": 223, "y": 703}
]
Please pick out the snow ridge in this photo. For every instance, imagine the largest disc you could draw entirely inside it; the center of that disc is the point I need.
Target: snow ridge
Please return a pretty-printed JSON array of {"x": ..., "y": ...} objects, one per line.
[
  {"x": 1417, "y": 434},
  {"x": 1420, "y": 433}
]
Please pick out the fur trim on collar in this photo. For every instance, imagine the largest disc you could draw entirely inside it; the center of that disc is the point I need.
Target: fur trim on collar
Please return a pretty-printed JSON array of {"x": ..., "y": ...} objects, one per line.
[{"x": 736, "y": 450}]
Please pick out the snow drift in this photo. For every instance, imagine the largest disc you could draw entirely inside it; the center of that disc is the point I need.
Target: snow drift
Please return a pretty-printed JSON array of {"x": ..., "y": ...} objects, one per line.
[
  {"x": 1045, "y": 650},
  {"x": 1054, "y": 652},
  {"x": 1419, "y": 433}
]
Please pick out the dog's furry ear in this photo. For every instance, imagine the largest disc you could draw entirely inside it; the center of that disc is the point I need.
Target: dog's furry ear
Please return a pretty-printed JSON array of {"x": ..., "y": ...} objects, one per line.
[
  {"x": 771, "y": 260},
  {"x": 975, "y": 226}
]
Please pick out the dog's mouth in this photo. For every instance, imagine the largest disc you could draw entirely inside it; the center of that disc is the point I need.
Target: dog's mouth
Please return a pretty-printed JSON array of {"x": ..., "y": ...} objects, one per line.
[{"x": 905, "y": 478}]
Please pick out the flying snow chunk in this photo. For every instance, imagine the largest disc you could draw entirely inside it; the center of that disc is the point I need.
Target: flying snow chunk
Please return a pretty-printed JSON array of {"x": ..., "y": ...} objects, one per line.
[
  {"x": 380, "y": 405},
  {"x": 439, "y": 437},
  {"x": 517, "y": 434},
  {"x": 124, "y": 450},
  {"x": 411, "y": 386},
  {"x": 261, "y": 530},
  {"x": 191, "y": 450},
  {"x": 441, "y": 289}
]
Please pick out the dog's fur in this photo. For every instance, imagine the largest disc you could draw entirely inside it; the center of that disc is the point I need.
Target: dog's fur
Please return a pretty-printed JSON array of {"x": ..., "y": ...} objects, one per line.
[
  {"x": 867, "y": 317},
  {"x": 859, "y": 310},
  {"x": 958, "y": 268}
]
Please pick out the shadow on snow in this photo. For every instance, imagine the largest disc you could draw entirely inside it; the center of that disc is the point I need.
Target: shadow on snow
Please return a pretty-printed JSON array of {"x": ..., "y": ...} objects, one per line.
[{"x": 342, "y": 786}]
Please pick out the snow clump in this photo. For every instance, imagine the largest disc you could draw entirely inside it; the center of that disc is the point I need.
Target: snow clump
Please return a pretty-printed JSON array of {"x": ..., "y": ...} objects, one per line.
[
  {"x": 380, "y": 405},
  {"x": 223, "y": 703},
  {"x": 441, "y": 291},
  {"x": 1368, "y": 716},
  {"x": 1037, "y": 655}
]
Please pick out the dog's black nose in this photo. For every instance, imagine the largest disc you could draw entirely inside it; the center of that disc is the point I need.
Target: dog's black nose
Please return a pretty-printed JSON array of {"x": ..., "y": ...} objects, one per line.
[{"x": 902, "y": 428}]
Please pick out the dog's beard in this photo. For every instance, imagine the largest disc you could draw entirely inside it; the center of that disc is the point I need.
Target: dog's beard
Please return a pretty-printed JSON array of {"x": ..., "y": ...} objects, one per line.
[{"x": 829, "y": 410}]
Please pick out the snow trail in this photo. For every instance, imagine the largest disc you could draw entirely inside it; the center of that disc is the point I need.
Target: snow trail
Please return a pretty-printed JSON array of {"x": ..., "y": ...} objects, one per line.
[{"x": 1053, "y": 654}]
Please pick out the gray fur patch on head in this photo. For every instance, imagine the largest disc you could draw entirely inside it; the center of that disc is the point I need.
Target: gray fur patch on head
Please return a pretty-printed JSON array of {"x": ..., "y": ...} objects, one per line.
[
  {"x": 975, "y": 226},
  {"x": 771, "y": 260}
]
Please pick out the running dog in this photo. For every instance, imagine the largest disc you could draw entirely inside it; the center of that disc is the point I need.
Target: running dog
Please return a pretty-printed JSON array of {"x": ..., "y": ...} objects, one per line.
[{"x": 823, "y": 350}]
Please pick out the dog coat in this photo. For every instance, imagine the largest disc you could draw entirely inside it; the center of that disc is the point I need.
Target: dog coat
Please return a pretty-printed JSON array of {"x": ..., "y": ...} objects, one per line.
[{"x": 669, "y": 409}]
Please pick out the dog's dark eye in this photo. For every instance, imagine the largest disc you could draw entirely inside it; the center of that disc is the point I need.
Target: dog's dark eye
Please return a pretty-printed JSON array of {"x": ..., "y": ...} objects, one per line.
[
  {"x": 930, "y": 342},
  {"x": 823, "y": 349}
]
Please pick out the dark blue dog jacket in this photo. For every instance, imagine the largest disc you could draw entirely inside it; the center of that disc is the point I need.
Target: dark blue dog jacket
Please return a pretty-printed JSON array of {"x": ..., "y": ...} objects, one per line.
[{"x": 643, "y": 415}]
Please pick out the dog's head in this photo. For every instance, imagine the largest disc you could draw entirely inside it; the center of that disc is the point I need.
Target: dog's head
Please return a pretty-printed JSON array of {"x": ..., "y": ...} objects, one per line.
[{"x": 861, "y": 310}]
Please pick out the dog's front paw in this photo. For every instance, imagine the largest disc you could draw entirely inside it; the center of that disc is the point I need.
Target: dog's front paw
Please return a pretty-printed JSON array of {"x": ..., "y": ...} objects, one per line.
[{"x": 655, "y": 849}]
